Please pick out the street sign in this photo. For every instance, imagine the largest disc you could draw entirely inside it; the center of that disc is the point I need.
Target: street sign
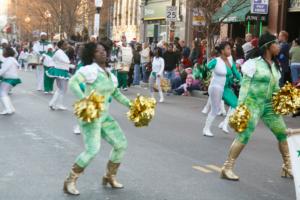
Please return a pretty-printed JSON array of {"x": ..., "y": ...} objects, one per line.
[
  {"x": 171, "y": 13},
  {"x": 198, "y": 17},
  {"x": 260, "y": 7},
  {"x": 98, "y": 3}
]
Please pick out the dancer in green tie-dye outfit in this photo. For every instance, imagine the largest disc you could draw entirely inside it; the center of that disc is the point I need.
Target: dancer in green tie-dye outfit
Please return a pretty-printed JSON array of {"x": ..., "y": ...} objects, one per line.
[
  {"x": 260, "y": 82},
  {"x": 97, "y": 78}
]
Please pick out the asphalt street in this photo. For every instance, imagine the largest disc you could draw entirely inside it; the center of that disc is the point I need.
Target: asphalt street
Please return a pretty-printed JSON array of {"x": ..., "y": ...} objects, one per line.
[{"x": 169, "y": 160}]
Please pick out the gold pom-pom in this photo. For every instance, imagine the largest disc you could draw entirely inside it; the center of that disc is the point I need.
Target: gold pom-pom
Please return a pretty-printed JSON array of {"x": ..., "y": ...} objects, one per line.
[
  {"x": 89, "y": 108},
  {"x": 240, "y": 118},
  {"x": 142, "y": 111},
  {"x": 165, "y": 85},
  {"x": 287, "y": 100}
]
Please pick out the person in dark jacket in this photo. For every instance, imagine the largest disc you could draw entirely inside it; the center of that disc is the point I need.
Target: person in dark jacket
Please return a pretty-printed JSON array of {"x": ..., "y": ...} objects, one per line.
[
  {"x": 171, "y": 61},
  {"x": 196, "y": 52},
  {"x": 137, "y": 64},
  {"x": 283, "y": 58}
]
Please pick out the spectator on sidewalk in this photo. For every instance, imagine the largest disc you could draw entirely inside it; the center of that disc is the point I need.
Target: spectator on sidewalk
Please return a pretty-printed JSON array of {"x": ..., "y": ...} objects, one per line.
[
  {"x": 137, "y": 64},
  {"x": 145, "y": 60},
  {"x": 247, "y": 47},
  {"x": 283, "y": 57},
  {"x": 171, "y": 61},
  {"x": 196, "y": 52},
  {"x": 295, "y": 60}
]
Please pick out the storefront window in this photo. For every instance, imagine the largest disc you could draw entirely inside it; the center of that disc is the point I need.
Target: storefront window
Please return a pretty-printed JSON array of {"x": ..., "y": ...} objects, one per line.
[{"x": 294, "y": 6}]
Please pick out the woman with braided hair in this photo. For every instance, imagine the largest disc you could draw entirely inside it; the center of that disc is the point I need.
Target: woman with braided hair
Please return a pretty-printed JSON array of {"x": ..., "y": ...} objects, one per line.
[{"x": 260, "y": 80}]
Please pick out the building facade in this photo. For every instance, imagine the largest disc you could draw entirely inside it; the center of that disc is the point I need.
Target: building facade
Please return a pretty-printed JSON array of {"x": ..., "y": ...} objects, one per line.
[
  {"x": 157, "y": 28},
  {"x": 126, "y": 19},
  {"x": 283, "y": 15}
]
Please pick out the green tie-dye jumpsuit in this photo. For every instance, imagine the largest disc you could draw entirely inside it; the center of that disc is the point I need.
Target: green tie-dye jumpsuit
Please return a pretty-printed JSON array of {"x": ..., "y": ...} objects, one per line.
[
  {"x": 258, "y": 85},
  {"x": 105, "y": 84}
]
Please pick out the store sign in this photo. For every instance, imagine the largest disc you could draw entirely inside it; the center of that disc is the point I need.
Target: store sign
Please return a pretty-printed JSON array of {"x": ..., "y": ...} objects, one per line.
[
  {"x": 171, "y": 13},
  {"x": 256, "y": 18},
  {"x": 294, "y": 6},
  {"x": 260, "y": 7},
  {"x": 156, "y": 11},
  {"x": 150, "y": 30},
  {"x": 198, "y": 17}
]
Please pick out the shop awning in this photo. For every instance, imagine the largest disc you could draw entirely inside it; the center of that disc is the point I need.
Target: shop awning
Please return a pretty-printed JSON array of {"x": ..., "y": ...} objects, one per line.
[{"x": 237, "y": 9}]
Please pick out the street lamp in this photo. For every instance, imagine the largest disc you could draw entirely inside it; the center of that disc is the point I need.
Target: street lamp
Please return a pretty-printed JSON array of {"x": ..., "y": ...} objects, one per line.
[
  {"x": 47, "y": 16},
  {"x": 27, "y": 21},
  {"x": 99, "y": 4}
]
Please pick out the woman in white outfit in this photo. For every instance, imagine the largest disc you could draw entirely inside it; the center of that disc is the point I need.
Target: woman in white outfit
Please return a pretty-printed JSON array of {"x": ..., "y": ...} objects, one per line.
[
  {"x": 8, "y": 79},
  {"x": 60, "y": 72},
  {"x": 224, "y": 71},
  {"x": 158, "y": 67}
]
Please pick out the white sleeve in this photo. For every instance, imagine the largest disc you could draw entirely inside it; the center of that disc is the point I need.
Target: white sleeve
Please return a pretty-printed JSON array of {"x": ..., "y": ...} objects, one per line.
[
  {"x": 5, "y": 66},
  {"x": 249, "y": 68},
  {"x": 16, "y": 53},
  {"x": 35, "y": 48},
  {"x": 162, "y": 66},
  {"x": 90, "y": 73},
  {"x": 61, "y": 57}
]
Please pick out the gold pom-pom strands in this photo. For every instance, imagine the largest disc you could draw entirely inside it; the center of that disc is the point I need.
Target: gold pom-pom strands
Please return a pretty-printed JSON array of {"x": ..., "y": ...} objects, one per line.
[
  {"x": 287, "y": 100},
  {"x": 240, "y": 118},
  {"x": 142, "y": 111},
  {"x": 164, "y": 84},
  {"x": 89, "y": 108}
]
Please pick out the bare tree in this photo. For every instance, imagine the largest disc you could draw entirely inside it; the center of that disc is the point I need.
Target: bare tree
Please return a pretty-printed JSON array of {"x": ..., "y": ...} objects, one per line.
[
  {"x": 65, "y": 14},
  {"x": 209, "y": 8}
]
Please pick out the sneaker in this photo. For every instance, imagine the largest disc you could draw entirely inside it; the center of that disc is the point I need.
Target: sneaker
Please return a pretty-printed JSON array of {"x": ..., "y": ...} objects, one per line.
[
  {"x": 76, "y": 130},
  {"x": 125, "y": 89},
  {"x": 207, "y": 133},
  {"x": 61, "y": 108}
]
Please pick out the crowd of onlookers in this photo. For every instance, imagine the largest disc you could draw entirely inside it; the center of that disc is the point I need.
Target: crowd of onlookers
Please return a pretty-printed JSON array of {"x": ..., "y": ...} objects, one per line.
[{"x": 185, "y": 67}]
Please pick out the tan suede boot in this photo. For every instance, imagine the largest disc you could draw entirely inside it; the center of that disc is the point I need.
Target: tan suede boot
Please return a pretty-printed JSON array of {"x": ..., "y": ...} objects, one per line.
[
  {"x": 227, "y": 169},
  {"x": 70, "y": 182},
  {"x": 110, "y": 176},
  {"x": 286, "y": 167}
]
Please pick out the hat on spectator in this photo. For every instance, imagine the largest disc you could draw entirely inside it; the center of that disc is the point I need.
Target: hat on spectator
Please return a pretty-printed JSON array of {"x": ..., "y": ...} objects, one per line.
[
  {"x": 4, "y": 41},
  {"x": 43, "y": 33},
  {"x": 50, "y": 46}
]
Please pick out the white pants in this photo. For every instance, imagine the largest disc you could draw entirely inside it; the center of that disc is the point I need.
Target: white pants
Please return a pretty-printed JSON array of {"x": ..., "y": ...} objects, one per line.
[
  {"x": 40, "y": 77},
  {"x": 215, "y": 98},
  {"x": 4, "y": 89},
  {"x": 58, "y": 97},
  {"x": 152, "y": 81}
]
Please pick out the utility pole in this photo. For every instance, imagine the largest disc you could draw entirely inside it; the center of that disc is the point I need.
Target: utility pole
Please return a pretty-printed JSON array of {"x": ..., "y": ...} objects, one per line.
[
  {"x": 60, "y": 19},
  {"x": 172, "y": 26},
  {"x": 99, "y": 4}
]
